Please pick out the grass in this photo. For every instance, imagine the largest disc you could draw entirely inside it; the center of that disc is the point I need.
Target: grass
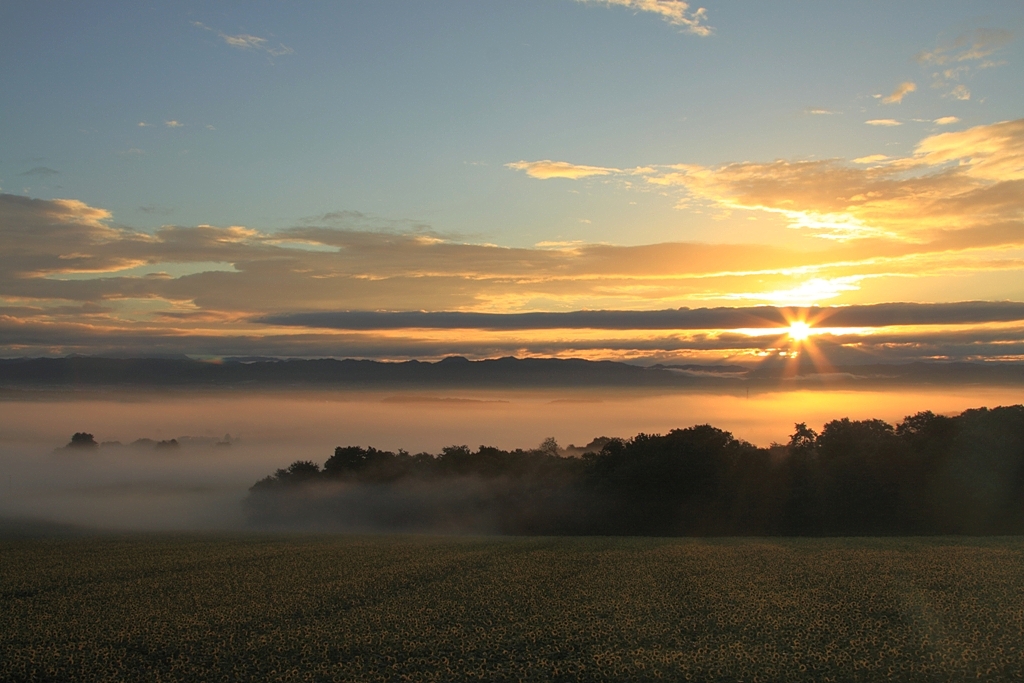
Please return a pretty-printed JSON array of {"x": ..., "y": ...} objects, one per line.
[{"x": 208, "y": 608}]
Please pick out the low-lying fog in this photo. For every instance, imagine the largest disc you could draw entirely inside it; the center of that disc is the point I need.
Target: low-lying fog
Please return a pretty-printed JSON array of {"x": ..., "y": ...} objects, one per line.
[{"x": 199, "y": 485}]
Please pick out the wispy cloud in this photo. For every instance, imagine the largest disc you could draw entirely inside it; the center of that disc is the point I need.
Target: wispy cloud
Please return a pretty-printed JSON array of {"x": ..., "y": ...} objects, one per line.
[
  {"x": 244, "y": 41},
  {"x": 968, "y": 46},
  {"x": 901, "y": 91},
  {"x": 871, "y": 159},
  {"x": 173, "y": 124},
  {"x": 675, "y": 12},
  {"x": 545, "y": 169},
  {"x": 883, "y": 122},
  {"x": 960, "y": 92},
  {"x": 958, "y": 57},
  {"x": 947, "y": 120},
  {"x": 822, "y": 112}
]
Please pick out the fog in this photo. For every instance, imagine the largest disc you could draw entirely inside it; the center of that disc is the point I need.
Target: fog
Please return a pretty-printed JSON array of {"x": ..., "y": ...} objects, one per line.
[{"x": 201, "y": 486}]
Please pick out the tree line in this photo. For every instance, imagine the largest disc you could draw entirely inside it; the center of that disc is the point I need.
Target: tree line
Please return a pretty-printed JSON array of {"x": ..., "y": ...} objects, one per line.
[{"x": 928, "y": 474}]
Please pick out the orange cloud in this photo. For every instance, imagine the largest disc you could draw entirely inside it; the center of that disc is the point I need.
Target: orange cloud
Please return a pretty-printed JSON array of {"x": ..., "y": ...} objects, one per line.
[
  {"x": 546, "y": 169},
  {"x": 957, "y": 181},
  {"x": 901, "y": 91}
]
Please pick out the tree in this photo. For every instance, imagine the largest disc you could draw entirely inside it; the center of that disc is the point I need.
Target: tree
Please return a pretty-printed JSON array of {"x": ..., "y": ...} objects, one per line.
[
  {"x": 346, "y": 459},
  {"x": 549, "y": 446},
  {"x": 803, "y": 438},
  {"x": 82, "y": 440}
]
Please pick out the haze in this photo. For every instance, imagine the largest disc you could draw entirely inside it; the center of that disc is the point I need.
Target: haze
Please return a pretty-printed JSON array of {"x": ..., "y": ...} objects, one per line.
[{"x": 201, "y": 487}]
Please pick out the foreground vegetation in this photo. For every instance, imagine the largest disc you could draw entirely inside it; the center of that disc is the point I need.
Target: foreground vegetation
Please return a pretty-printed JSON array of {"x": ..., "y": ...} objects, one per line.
[
  {"x": 433, "y": 609},
  {"x": 929, "y": 474}
]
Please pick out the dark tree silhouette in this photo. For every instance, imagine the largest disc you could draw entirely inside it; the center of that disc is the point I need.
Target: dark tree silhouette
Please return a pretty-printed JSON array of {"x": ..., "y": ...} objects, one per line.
[
  {"x": 82, "y": 440},
  {"x": 929, "y": 474}
]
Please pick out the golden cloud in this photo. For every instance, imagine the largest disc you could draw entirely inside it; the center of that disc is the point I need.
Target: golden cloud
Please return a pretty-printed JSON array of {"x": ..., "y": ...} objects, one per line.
[
  {"x": 901, "y": 91},
  {"x": 953, "y": 181},
  {"x": 939, "y": 219},
  {"x": 993, "y": 152},
  {"x": 546, "y": 169}
]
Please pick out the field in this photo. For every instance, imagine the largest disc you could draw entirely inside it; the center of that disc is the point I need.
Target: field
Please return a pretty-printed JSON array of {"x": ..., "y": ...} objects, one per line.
[{"x": 251, "y": 608}]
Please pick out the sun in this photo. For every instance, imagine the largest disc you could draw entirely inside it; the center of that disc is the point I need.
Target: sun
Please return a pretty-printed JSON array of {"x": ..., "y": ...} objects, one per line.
[{"x": 799, "y": 330}]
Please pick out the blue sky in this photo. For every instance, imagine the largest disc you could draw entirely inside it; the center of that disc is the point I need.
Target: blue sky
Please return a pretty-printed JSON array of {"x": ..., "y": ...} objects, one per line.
[
  {"x": 409, "y": 111},
  {"x": 403, "y": 118}
]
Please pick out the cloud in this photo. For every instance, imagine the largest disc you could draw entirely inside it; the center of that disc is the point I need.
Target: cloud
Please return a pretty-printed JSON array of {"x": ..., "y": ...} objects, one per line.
[
  {"x": 899, "y": 93},
  {"x": 940, "y": 223},
  {"x": 952, "y": 185},
  {"x": 173, "y": 124},
  {"x": 968, "y": 46},
  {"x": 960, "y": 92},
  {"x": 546, "y": 169},
  {"x": 856, "y": 345},
  {"x": 946, "y": 120},
  {"x": 822, "y": 112},
  {"x": 244, "y": 41},
  {"x": 883, "y": 122},
  {"x": 993, "y": 152},
  {"x": 39, "y": 172},
  {"x": 143, "y": 124},
  {"x": 875, "y": 315},
  {"x": 675, "y": 12},
  {"x": 957, "y": 58}
]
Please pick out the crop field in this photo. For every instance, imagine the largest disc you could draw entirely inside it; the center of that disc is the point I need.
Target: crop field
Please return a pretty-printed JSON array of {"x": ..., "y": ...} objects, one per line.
[{"x": 316, "y": 608}]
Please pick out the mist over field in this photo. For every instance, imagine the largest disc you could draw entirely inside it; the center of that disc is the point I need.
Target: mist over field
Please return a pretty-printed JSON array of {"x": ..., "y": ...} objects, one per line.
[{"x": 200, "y": 486}]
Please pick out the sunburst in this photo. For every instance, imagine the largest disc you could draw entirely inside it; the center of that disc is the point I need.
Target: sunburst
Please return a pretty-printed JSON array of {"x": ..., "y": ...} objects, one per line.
[{"x": 799, "y": 330}]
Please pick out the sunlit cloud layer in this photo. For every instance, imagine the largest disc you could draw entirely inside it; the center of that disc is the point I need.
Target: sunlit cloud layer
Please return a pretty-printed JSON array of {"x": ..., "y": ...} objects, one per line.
[
  {"x": 912, "y": 227},
  {"x": 768, "y": 317},
  {"x": 961, "y": 186}
]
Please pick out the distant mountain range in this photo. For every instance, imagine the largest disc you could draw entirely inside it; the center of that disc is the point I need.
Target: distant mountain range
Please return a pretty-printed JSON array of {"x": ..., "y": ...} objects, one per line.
[{"x": 77, "y": 371}]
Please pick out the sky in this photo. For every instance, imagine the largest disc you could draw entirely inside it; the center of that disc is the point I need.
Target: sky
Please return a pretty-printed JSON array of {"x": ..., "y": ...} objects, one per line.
[{"x": 338, "y": 179}]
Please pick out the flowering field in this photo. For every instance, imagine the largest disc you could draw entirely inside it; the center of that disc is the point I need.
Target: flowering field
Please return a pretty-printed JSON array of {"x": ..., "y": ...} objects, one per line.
[{"x": 427, "y": 608}]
